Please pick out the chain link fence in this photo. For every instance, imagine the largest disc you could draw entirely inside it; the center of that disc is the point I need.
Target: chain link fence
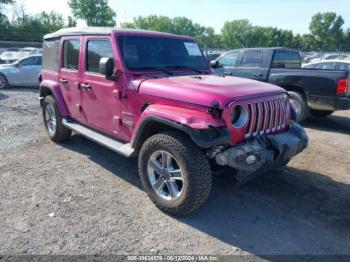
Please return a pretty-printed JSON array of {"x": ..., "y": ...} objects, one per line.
[{"x": 11, "y": 51}]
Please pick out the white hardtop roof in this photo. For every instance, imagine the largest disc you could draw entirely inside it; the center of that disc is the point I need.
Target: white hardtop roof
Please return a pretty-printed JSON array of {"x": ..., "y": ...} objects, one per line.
[{"x": 73, "y": 31}]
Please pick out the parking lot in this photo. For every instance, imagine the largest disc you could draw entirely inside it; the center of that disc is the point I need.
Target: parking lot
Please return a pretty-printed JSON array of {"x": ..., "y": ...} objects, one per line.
[{"x": 80, "y": 198}]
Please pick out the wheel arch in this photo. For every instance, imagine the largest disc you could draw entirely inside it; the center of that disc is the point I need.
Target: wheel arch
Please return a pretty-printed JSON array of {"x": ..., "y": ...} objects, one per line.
[
  {"x": 296, "y": 89},
  {"x": 50, "y": 88},
  {"x": 203, "y": 138}
]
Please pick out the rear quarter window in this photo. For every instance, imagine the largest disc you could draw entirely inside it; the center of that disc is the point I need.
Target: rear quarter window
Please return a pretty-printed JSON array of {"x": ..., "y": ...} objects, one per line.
[
  {"x": 286, "y": 59},
  {"x": 50, "y": 55}
]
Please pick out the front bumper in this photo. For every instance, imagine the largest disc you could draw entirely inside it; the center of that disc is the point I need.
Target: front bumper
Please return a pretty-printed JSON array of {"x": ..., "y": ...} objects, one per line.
[{"x": 265, "y": 152}]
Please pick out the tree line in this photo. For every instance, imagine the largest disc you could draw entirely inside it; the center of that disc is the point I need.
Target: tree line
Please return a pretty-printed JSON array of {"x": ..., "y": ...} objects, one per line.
[{"x": 326, "y": 32}]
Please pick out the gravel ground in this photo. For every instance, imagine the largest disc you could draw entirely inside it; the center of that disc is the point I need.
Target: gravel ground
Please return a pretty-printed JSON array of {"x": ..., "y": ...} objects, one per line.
[{"x": 80, "y": 198}]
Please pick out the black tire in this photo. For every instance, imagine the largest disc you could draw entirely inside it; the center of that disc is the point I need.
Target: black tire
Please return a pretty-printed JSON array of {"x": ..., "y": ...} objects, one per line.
[
  {"x": 4, "y": 83},
  {"x": 195, "y": 169},
  {"x": 284, "y": 163},
  {"x": 300, "y": 101},
  {"x": 61, "y": 133},
  {"x": 321, "y": 113}
]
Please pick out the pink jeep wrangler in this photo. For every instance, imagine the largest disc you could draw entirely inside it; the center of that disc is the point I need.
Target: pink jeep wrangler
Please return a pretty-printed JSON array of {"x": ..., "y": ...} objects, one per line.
[{"x": 153, "y": 95}]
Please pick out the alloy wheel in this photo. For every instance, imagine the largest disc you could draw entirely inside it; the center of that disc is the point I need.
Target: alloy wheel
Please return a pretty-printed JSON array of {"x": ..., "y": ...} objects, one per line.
[{"x": 165, "y": 175}]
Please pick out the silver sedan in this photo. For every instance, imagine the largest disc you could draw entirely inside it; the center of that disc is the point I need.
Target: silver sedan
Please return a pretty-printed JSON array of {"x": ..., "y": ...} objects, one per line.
[{"x": 24, "y": 72}]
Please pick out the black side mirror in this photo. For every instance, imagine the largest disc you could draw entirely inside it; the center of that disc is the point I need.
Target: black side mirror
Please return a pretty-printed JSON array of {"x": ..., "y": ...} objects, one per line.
[
  {"x": 107, "y": 68},
  {"x": 214, "y": 64}
]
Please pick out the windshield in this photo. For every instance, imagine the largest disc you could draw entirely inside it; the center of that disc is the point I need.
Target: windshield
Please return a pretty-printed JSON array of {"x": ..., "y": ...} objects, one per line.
[{"x": 154, "y": 53}]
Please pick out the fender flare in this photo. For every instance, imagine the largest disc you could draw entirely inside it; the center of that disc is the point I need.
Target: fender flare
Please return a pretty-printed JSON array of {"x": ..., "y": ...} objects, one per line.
[
  {"x": 201, "y": 127},
  {"x": 49, "y": 87}
]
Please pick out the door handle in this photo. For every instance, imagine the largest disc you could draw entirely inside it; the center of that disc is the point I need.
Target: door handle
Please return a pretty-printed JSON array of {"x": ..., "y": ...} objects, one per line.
[
  {"x": 63, "y": 81},
  {"x": 257, "y": 74},
  {"x": 116, "y": 93},
  {"x": 85, "y": 86}
]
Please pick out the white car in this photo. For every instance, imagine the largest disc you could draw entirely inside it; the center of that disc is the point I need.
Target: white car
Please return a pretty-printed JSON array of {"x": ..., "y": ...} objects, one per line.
[
  {"x": 9, "y": 57},
  {"x": 330, "y": 65},
  {"x": 24, "y": 72}
]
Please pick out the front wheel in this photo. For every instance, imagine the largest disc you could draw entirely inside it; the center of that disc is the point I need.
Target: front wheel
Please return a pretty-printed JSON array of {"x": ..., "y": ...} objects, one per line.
[
  {"x": 321, "y": 113},
  {"x": 175, "y": 173}
]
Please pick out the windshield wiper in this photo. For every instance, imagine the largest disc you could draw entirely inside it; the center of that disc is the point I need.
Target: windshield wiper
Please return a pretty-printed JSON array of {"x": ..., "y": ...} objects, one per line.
[
  {"x": 153, "y": 68},
  {"x": 186, "y": 67}
]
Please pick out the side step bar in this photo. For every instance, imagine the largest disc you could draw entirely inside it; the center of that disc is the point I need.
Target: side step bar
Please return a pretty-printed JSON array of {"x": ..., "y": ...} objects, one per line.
[{"x": 119, "y": 147}]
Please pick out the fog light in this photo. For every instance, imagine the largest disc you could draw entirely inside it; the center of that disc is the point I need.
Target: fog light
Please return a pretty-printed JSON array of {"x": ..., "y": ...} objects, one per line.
[{"x": 251, "y": 159}]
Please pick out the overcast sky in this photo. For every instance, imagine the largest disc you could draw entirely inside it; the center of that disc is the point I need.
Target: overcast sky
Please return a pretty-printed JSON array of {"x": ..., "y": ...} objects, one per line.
[{"x": 289, "y": 14}]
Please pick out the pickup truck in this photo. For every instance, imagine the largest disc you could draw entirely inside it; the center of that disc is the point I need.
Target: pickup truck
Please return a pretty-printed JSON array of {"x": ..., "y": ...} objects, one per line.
[
  {"x": 153, "y": 95},
  {"x": 313, "y": 91}
]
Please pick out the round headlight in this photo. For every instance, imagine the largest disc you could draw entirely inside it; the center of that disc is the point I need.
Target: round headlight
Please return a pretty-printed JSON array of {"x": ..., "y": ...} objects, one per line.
[{"x": 239, "y": 117}]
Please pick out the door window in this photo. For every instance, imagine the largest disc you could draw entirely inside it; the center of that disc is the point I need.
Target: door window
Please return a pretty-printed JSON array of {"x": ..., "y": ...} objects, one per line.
[
  {"x": 326, "y": 66},
  {"x": 286, "y": 59},
  {"x": 229, "y": 59},
  {"x": 96, "y": 49},
  {"x": 50, "y": 61},
  {"x": 30, "y": 61},
  {"x": 70, "y": 59},
  {"x": 252, "y": 58},
  {"x": 344, "y": 66}
]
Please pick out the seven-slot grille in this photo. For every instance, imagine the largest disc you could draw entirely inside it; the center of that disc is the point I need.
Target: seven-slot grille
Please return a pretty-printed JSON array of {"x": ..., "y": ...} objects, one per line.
[{"x": 266, "y": 117}]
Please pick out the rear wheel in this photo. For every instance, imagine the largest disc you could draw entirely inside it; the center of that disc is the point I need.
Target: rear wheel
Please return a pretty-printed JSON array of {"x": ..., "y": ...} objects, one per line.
[
  {"x": 53, "y": 121},
  {"x": 4, "y": 82},
  {"x": 321, "y": 113},
  {"x": 300, "y": 106},
  {"x": 175, "y": 173}
]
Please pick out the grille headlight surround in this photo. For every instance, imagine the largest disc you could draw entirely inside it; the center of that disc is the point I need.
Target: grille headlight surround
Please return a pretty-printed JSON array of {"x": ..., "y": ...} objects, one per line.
[{"x": 239, "y": 116}]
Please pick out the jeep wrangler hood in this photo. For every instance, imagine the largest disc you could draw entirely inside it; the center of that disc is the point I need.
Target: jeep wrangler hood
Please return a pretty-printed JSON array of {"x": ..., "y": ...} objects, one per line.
[{"x": 204, "y": 89}]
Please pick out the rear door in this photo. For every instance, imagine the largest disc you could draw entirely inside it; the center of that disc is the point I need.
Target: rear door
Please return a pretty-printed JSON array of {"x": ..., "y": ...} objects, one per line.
[
  {"x": 70, "y": 74},
  {"x": 251, "y": 66},
  {"x": 100, "y": 96}
]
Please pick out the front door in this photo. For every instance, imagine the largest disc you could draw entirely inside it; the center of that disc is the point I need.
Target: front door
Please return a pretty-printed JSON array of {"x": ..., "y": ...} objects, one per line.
[
  {"x": 100, "y": 96},
  {"x": 226, "y": 63},
  {"x": 69, "y": 76},
  {"x": 28, "y": 71}
]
